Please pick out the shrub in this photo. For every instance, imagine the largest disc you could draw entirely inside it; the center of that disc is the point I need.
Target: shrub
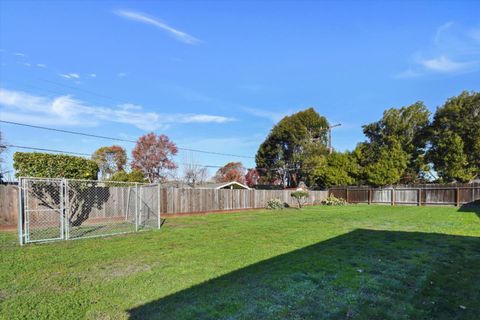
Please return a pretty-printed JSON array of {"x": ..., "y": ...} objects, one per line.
[
  {"x": 133, "y": 176},
  {"x": 301, "y": 197},
  {"x": 46, "y": 165},
  {"x": 275, "y": 204},
  {"x": 334, "y": 201}
]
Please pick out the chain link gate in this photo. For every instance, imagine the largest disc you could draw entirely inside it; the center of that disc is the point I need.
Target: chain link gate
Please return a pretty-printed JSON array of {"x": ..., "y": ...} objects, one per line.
[{"x": 56, "y": 209}]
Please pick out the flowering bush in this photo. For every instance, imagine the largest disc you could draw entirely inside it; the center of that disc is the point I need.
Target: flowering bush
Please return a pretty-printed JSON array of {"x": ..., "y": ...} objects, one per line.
[
  {"x": 334, "y": 201},
  {"x": 275, "y": 204}
]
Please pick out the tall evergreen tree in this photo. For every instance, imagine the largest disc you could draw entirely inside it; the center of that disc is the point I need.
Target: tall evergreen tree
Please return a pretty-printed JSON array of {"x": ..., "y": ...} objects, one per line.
[
  {"x": 455, "y": 138},
  {"x": 407, "y": 126},
  {"x": 289, "y": 143}
]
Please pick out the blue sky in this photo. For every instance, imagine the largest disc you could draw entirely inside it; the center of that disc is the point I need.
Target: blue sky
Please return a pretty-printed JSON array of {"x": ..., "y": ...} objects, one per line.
[{"x": 218, "y": 75}]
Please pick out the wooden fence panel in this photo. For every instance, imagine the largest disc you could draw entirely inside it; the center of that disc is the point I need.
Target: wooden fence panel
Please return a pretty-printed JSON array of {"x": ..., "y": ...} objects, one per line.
[
  {"x": 358, "y": 196},
  {"x": 440, "y": 196},
  {"x": 381, "y": 195},
  {"x": 406, "y": 196},
  {"x": 458, "y": 195},
  {"x": 8, "y": 205},
  {"x": 339, "y": 193}
]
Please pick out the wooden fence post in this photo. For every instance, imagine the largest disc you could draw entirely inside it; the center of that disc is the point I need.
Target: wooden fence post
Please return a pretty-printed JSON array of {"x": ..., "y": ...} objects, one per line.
[
  {"x": 369, "y": 196},
  {"x": 419, "y": 196},
  {"x": 457, "y": 197},
  {"x": 393, "y": 196},
  {"x": 346, "y": 192}
]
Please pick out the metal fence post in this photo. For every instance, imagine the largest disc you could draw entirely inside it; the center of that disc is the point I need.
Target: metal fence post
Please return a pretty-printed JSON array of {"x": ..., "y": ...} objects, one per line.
[
  {"x": 159, "y": 207},
  {"x": 136, "y": 206},
  {"x": 26, "y": 215},
  {"x": 20, "y": 212},
  {"x": 62, "y": 208},
  {"x": 66, "y": 210}
]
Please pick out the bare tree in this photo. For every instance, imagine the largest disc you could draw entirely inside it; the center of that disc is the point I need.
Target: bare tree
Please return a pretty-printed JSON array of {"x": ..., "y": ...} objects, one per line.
[{"x": 193, "y": 173}]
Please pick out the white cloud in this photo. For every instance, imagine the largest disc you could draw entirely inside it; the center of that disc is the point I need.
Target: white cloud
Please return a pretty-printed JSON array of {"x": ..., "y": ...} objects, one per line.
[
  {"x": 19, "y": 54},
  {"x": 41, "y": 65},
  {"x": 201, "y": 118},
  {"x": 141, "y": 17},
  {"x": 26, "y": 64},
  {"x": 446, "y": 65},
  {"x": 70, "y": 111},
  {"x": 454, "y": 49},
  {"x": 92, "y": 75},
  {"x": 442, "y": 30},
  {"x": 70, "y": 75},
  {"x": 121, "y": 74}
]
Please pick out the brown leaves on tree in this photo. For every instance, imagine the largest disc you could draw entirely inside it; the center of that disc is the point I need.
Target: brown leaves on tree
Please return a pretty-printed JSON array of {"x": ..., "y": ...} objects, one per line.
[
  {"x": 153, "y": 155},
  {"x": 252, "y": 177},
  {"x": 232, "y": 171}
]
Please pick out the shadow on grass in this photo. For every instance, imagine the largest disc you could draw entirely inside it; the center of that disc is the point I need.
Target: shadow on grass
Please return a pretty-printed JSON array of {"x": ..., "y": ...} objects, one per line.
[
  {"x": 364, "y": 274},
  {"x": 473, "y": 206}
]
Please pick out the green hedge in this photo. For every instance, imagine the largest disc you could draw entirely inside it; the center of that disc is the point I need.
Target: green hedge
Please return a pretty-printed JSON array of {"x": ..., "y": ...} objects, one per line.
[{"x": 46, "y": 165}]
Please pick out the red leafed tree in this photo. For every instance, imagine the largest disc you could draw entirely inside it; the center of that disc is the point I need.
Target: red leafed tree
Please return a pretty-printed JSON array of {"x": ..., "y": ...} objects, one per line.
[
  {"x": 153, "y": 155},
  {"x": 232, "y": 171},
  {"x": 252, "y": 177}
]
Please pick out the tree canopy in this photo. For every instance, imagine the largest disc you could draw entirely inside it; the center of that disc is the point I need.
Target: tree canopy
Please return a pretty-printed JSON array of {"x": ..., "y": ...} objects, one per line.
[
  {"x": 110, "y": 160},
  {"x": 290, "y": 142},
  {"x": 335, "y": 169},
  {"x": 404, "y": 131},
  {"x": 232, "y": 171},
  {"x": 153, "y": 156},
  {"x": 455, "y": 138},
  {"x": 252, "y": 177},
  {"x": 132, "y": 176}
]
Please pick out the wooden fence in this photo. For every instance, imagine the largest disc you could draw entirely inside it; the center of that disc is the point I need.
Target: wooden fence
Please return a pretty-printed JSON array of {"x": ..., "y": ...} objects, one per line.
[
  {"x": 179, "y": 201},
  {"x": 110, "y": 202},
  {"x": 456, "y": 195},
  {"x": 8, "y": 205}
]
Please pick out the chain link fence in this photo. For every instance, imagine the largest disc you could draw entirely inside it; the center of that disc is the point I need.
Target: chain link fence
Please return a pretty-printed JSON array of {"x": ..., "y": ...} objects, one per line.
[{"x": 56, "y": 209}]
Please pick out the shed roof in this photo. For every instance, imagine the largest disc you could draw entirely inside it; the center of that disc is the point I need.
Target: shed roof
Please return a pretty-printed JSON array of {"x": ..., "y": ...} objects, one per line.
[{"x": 224, "y": 185}]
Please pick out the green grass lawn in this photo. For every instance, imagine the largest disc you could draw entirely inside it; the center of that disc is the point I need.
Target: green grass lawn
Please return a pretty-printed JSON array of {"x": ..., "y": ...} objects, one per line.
[{"x": 352, "y": 262}]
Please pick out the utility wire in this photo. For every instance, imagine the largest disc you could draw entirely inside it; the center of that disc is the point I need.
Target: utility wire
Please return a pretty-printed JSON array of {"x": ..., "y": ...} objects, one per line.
[
  {"x": 116, "y": 139},
  {"x": 119, "y": 139},
  {"x": 89, "y": 155},
  {"x": 105, "y": 137},
  {"x": 77, "y": 153}
]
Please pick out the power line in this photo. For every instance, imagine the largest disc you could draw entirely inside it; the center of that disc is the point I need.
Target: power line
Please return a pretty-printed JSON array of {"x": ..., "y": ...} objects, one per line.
[
  {"x": 43, "y": 149},
  {"x": 89, "y": 155},
  {"x": 78, "y": 153},
  {"x": 119, "y": 139},
  {"x": 80, "y": 89}
]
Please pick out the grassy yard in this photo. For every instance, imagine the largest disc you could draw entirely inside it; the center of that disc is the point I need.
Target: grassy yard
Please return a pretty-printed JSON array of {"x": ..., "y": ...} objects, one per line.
[{"x": 358, "y": 262}]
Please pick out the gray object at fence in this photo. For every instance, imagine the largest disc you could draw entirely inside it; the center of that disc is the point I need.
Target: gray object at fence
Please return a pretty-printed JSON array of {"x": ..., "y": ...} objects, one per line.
[{"x": 65, "y": 209}]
